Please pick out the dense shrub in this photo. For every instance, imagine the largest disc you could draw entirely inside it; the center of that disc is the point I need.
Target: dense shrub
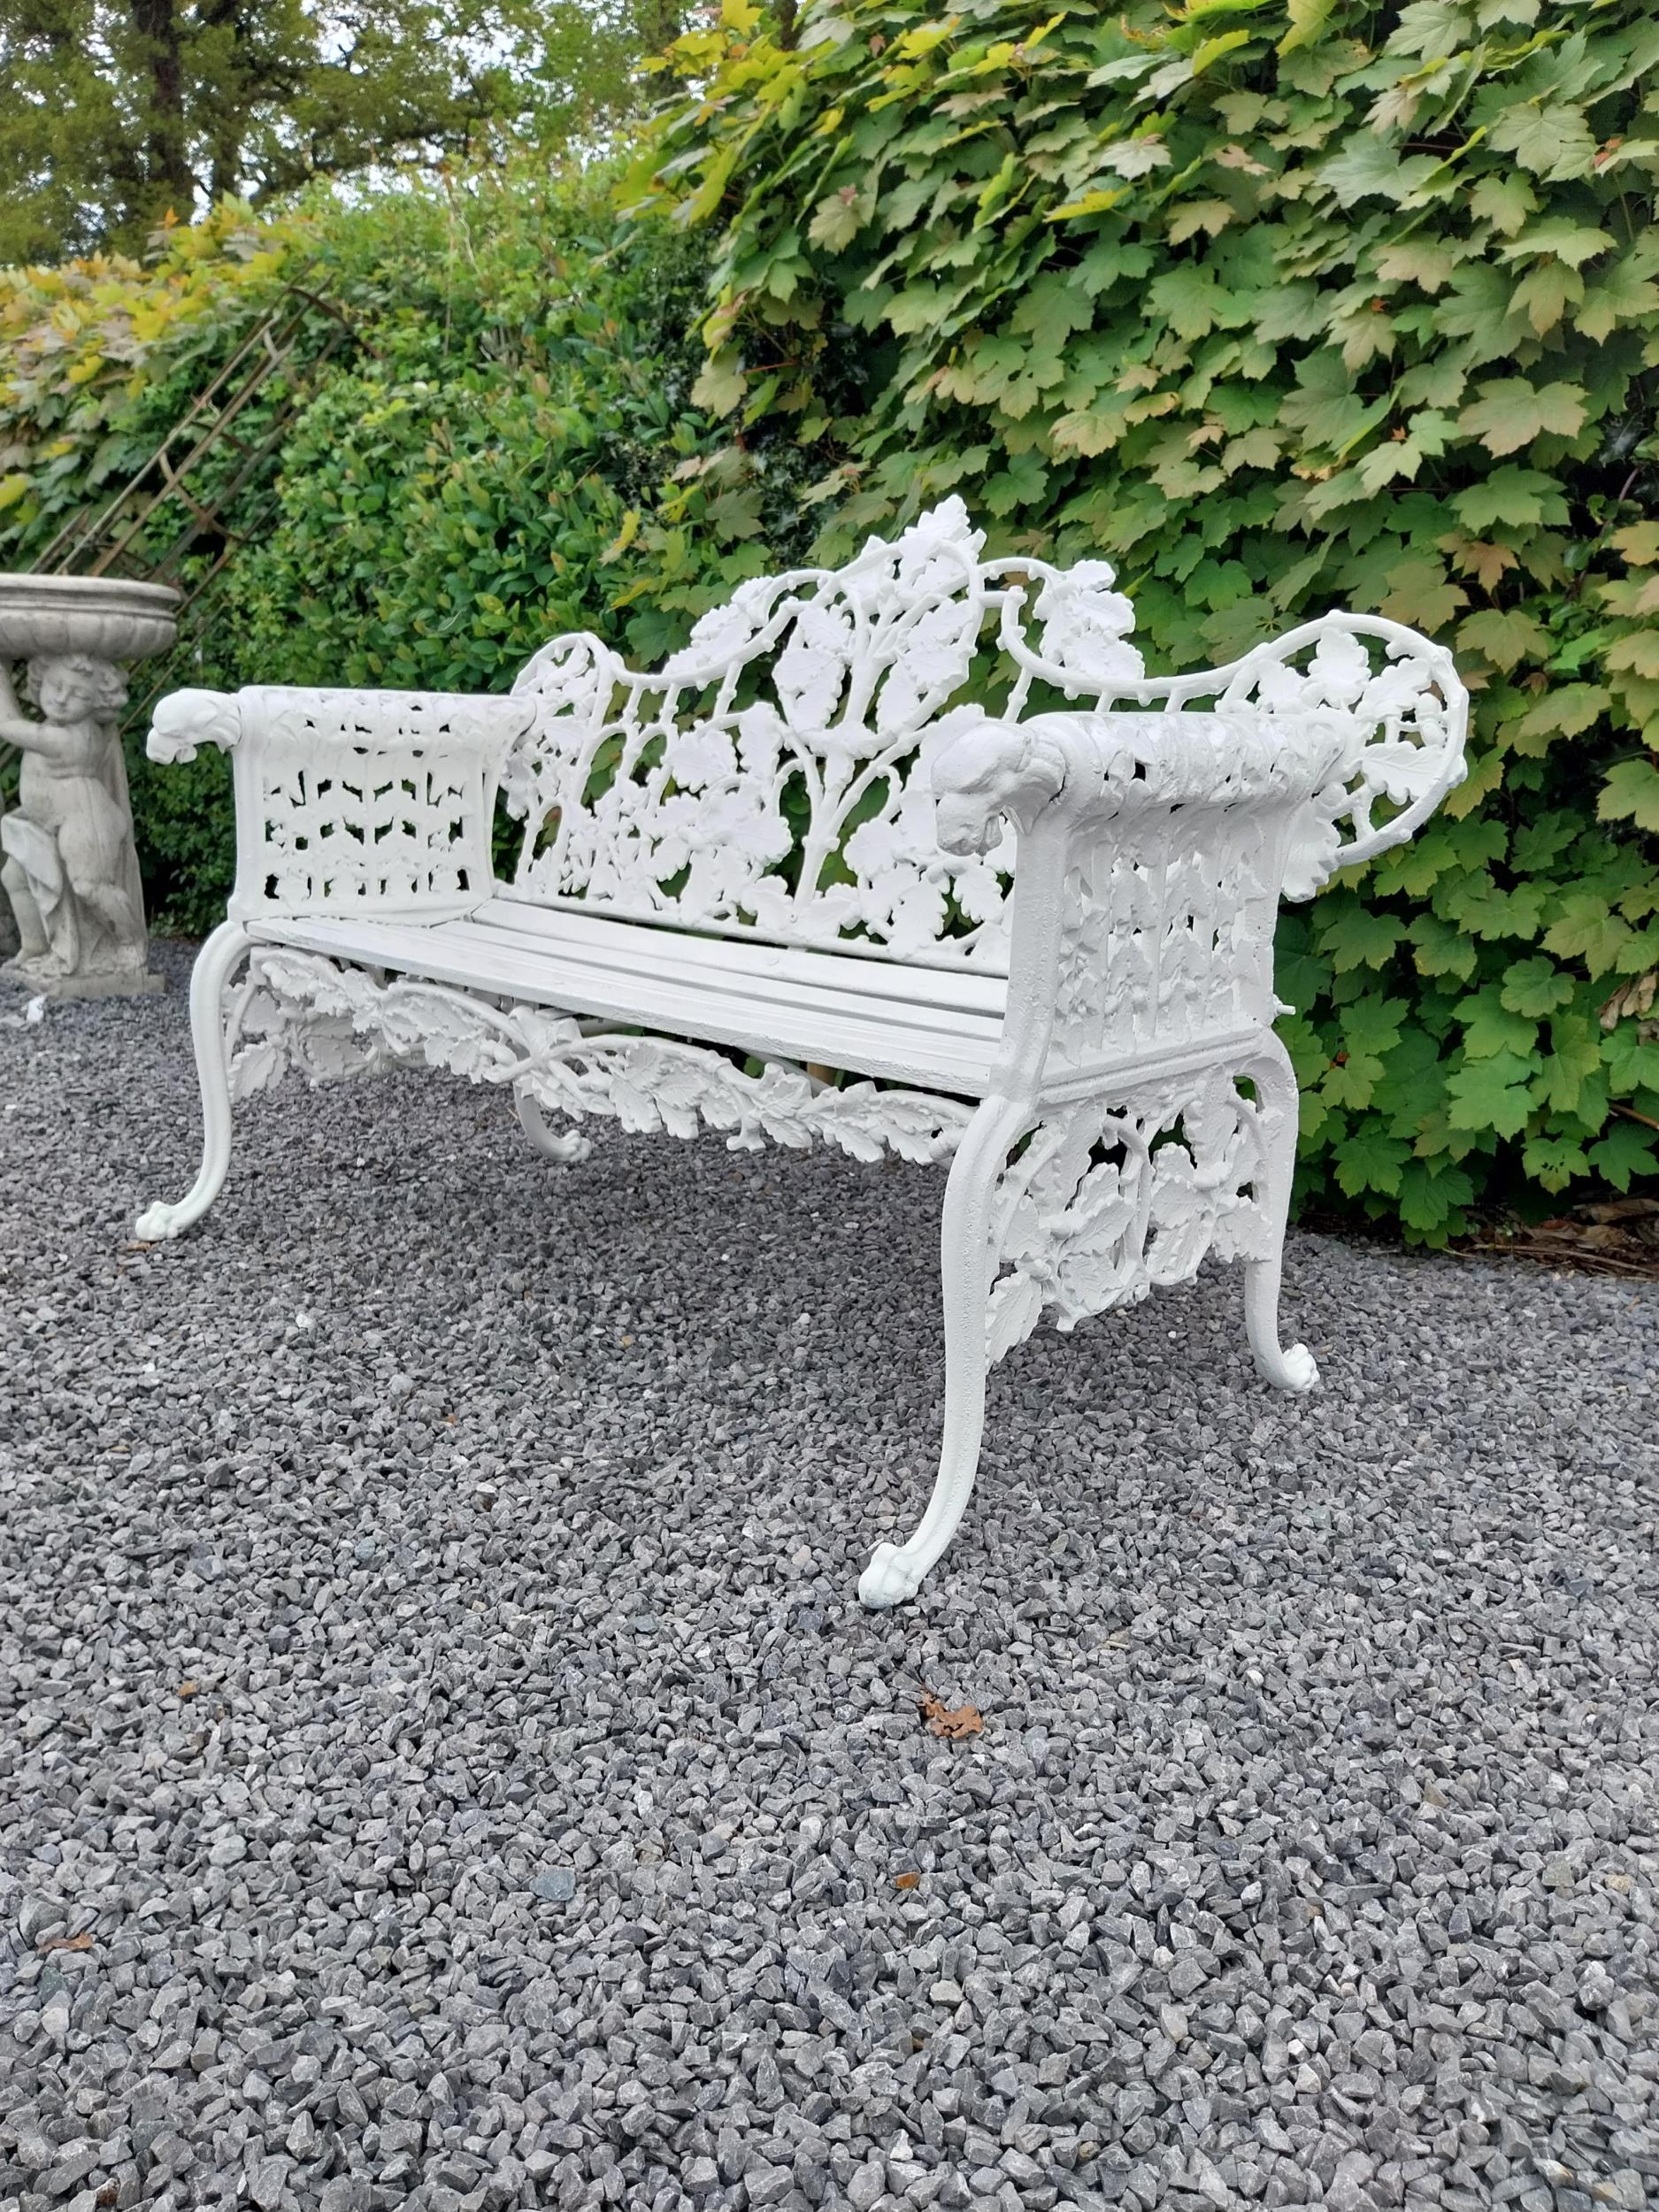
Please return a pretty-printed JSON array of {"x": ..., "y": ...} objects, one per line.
[
  {"x": 507, "y": 449},
  {"x": 1279, "y": 306}
]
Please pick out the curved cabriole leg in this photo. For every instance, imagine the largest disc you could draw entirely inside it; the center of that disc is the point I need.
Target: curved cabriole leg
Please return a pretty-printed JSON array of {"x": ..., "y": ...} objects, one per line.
[
  {"x": 566, "y": 1147},
  {"x": 212, "y": 970},
  {"x": 895, "y": 1571},
  {"x": 1289, "y": 1366}
]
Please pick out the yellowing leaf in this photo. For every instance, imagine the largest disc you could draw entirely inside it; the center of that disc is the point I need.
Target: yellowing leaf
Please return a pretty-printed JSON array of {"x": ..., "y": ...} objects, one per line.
[
  {"x": 1562, "y": 240},
  {"x": 837, "y": 219},
  {"x": 1421, "y": 593},
  {"x": 720, "y": 384},
  {"x": 1210, "y": 216},
  {"x": 1427, "y": 262},
  {"x": 1213, "y": 48},
  {"x": 1134, "y": 156},
  {"x": 1544, "y": 294},
  {"x": 1479, "y": 558},
  {"x": 1640, "y": 544},
  {"x": 625, "y": 536},
  {"x": 1308, "y": 19},
  {"x": 1639, "y": 651}
]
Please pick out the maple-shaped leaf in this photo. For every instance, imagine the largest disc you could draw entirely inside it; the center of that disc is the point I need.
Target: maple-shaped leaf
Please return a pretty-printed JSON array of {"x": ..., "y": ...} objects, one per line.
[
  {"x": 1552, "y": 142},
  {"x": 1639, "y": 544},
  {"x": 1560, "y": 238},
  {"x": 1355, "y": 936},
  {"x": 721, "y": 384},
  {"x": 838, "y": 219},
  {"x": 1511, "y": 495},
  {"x": 1621, "y": 293},
  {"x": 1639, "y": 651},
  {"x": 1427, "y": 262},
  {"x": 1573, "y": 1058},
  {"x": 1134, "y": 156},
  {"x": 1511, "y": 412},
  {"x": 1535, "y": 986},
  {"x": 1491, "y": 1026},
  {"x": 1432, "y": 1193},
  {"x": 1491, "y": 1093},
  {"x": 1420, "y": 593},
  {"x": 1630, "y": 793},
  {"x": 1587, "y": 929},
  {"x": 1562, "y": 711},
  {"x": 1627, "y": 1151},
  {"x": 1504, "y": 635},
  {"x": 1553, "y": 1162},
  {"x": 1371, "y": 1160},
  {"x": 1544, "y": 295},
  {"x": 1439, "y": 949}
]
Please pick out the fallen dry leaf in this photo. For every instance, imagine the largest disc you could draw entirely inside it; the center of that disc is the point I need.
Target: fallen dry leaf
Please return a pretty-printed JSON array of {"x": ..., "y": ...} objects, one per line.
[
  {"x": 906, "y": 1881},
  {"x": 82, "y": 1942},
  {"x": 953, "y": 1721}
]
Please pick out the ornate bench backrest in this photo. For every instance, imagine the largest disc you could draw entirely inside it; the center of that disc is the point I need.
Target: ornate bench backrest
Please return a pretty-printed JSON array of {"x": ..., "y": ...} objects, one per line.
[{"x": 774, "y": 775}]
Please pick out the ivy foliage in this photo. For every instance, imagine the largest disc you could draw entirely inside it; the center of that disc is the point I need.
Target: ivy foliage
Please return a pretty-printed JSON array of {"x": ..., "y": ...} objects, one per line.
[{"x": 1280, "y": 307}]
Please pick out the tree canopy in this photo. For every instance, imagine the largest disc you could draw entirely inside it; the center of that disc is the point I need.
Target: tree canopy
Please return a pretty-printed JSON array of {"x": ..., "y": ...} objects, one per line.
[{"x": 121, "y": 113}]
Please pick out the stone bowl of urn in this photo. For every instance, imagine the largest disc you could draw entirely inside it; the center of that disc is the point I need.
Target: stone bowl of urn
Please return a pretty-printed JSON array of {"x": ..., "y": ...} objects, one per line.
[{"x": 67, "y": 863}]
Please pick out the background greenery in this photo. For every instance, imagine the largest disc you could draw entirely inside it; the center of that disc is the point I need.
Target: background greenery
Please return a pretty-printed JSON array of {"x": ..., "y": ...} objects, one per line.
[
  {"x": 122, "y": 115},
  {"x": 1277, "y": 305}
]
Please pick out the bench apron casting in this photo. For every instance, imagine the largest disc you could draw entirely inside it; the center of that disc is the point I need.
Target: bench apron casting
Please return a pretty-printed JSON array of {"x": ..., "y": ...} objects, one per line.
[{"x": 795, "y": 844}]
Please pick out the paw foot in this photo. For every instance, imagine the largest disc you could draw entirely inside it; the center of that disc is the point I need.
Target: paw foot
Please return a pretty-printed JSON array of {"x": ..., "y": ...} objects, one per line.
[
  {"x": 888, "y": 1579},
  {"x": 566, "y": 1148},
  {"x": 1295, "y": 1369},
  {"x": 158, "y": 1223}
]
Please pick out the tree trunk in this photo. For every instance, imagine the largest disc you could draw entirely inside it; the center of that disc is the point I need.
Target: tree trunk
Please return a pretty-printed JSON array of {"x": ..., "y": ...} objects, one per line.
[
  {"x": 170, "y": 182},
  {"x": 659, "y": 23}
]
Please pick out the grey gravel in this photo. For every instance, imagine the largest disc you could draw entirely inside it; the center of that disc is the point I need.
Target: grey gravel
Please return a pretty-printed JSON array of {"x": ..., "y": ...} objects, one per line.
[{"x": 443, "y": 1764}]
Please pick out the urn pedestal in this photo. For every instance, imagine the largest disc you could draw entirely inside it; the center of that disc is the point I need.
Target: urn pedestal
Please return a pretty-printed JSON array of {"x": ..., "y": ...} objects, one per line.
[{"x": 67, "y": 863}]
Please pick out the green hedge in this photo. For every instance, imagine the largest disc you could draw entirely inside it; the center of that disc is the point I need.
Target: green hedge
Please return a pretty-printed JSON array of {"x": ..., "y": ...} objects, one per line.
[
  {"x": 508, "y": 447},
  {"x": 1280, "y": 307}
]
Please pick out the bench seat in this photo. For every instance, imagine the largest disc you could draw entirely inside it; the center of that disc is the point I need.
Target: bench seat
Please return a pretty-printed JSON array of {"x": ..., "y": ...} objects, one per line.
[{"x": 938, "y": 1028}]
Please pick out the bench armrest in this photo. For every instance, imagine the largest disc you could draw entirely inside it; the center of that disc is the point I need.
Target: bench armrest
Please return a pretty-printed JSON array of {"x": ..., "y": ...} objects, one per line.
[
  {"x": 365, "y": 803},
  {"x": 1153, "y": 848}
]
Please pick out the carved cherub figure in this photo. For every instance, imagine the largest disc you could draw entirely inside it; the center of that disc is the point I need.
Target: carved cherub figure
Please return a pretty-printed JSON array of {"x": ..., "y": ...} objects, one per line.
[{"x": 69, "y": 869}]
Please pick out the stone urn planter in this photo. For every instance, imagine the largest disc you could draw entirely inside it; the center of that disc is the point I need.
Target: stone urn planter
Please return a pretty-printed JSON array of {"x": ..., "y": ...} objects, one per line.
[{"x": 66, "y": 857}]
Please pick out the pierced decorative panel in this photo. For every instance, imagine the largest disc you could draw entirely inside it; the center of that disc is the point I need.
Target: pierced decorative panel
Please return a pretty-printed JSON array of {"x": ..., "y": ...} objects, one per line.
[
  {"x": 1173, "y": 887},
  {"x": 347, "y": 799},
  {"x": 1406, "y": 713},
  {"x": 1112, "y": 1198},
  {"x": 776, "y": 772}
]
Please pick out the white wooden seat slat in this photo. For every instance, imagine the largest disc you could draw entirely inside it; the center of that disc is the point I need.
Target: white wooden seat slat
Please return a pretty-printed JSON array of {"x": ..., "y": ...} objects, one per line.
[
  {"x": 672, "y": 947},
  {"x": 800, "y": 1021},
  {"x": 820, "y": 836}
]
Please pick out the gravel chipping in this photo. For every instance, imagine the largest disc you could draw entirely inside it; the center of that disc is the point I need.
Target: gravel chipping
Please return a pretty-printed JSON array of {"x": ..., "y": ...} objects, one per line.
[{"x": 443, "y": 1763}]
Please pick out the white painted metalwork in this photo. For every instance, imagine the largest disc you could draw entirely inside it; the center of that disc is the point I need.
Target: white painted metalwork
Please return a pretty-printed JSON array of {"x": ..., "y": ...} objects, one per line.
[{"x": 796, "y": 842}]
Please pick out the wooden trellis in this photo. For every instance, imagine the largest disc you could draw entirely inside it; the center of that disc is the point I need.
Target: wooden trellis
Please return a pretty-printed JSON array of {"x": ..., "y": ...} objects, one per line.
[{"x": 112, "y": 538}]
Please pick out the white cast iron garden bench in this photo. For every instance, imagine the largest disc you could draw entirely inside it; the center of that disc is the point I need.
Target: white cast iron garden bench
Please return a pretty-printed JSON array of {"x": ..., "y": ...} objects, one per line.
[{"x": 794, "y": 847}]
